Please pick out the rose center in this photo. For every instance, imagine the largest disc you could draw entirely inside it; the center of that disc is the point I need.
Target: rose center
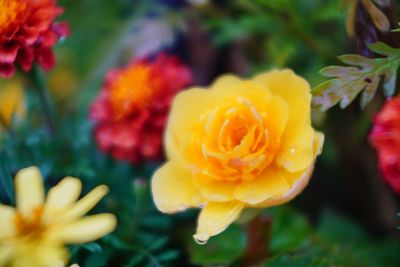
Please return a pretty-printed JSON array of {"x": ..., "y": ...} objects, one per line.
[
  {"x": 132, "y": 89},
  {"x": 9, "y": 12},
  {"x": 30, "y": 225},
  {"x": 238, "y": 142}
]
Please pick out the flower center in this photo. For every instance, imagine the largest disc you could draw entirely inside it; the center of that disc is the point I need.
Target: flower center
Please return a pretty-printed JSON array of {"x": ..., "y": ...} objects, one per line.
[
  {"x": 133, "y": 89},
  {"x": 237, "y": 141},
  {"x": 30, "y": 226},
  {"x": 10, "y": 11}
]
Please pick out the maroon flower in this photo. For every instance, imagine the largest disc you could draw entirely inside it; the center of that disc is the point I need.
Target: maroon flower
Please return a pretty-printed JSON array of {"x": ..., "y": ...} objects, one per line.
[
  {"x": 131, "y": 109},
  {"x": 27, "y": 34},
  {"x": 385, "y": 138}
]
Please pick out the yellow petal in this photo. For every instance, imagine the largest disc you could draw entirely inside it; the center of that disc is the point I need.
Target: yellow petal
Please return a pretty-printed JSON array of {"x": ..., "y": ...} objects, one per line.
[
  {"x": 85, "y": 204},
  {"x": 251, "y": 90},
  {"x": 215, "y": 218},
  {"x": 318, "y": 142},
  {"x": 225, "y": 82},
  {"x": 297, "y": 140},
  {"x": 64, "y": 194},
  {"x": 293, "y": 89},
  {"x": 173, "y": 189},
  {"x": 296, "y": 151},
  {"x": 5, "y": 254},
  {"x": 277, "y": 114},
  {"x": 87, "y": 229},
  {"x": 29, "y": 189},
  {"x": 298, "y": 180},
  {"x": 11, "y": 100},
  {"x": 269, "y": 184},
  {"x": 7, "y": 215},
  {"x": 214, "y": 190},
  {"x": 37, "y": 254},
  {"x": 185, "y": 113}
]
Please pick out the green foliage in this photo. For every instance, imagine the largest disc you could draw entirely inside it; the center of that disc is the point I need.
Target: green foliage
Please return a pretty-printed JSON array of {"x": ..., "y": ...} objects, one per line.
[
  {"x": 222, "y": 249},
  {"x": 362, "y": 75},
  {"x": 335, "y": 241}
]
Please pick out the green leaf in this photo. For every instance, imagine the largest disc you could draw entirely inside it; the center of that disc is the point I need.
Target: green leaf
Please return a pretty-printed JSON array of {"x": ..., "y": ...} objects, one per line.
[
  {"x": 297, "y": 261},
  {"x": 6, "y": 185},
  {"x": 221, "y": 249},
  {"x": 383, "y": 49},
  {"x": 362, "y": 75},
  {"x": 290, "y": 230}
]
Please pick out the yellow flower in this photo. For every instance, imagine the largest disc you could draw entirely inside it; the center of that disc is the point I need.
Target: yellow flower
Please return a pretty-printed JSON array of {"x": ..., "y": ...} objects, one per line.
[
  {"x": 241, "y": 144},
  {"x": 11, "y": 101},
  {"x": 35, "y": 232}
]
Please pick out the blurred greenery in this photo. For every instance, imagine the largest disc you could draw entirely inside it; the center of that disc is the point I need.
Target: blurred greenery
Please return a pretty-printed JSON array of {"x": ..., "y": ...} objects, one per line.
[{"x": 346, "y": 216}]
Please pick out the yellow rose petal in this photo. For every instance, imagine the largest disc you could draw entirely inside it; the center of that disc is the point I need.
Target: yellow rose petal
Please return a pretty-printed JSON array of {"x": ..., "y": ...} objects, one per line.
[
  {"x": 87, "y": 229},
  {"x": 215, "y": 218},
  {"x": 5, "y": 253},
  {"x": 298, "y": 180},
  {"x": 64, "y": 194},
  {"x": 173, "y": 189},
  {"x": 293, "y": 89},
  {"x": 226, "y": 81},
  {"x": 277, "y": 114},
  {"x": 251, "y": 90},
  {"x": 185, "y": 113},
  {"x": 214, "y": 190},
  {"x": 85, "y": 204},
  {"x": 6, "y": 221},
  {"x": 269, "y": 184},
  {"x": 296, "y": 152},
  {"x": 29, "y": 189}
]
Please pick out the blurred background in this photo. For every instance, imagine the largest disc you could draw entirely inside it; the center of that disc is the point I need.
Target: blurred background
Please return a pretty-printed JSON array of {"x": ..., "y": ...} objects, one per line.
[{"x": 347, "y": 216}]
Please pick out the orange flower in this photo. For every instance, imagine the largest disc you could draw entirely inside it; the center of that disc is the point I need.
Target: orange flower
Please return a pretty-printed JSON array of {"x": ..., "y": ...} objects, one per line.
[
  {"x": 241, "y": 144},
  {"x": 131, "y": 110},
  {"x": 27, "y": 34}
]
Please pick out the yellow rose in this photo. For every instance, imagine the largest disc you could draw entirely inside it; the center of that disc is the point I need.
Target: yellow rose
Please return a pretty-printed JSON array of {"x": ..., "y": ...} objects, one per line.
[{"x": 240, "y": 144}]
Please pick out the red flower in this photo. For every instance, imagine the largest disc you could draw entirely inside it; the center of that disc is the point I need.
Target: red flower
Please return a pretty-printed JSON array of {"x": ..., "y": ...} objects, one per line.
[
  {"x": 27, "y": 34},
  {"x": 131, "y": 109},
  {"x": 385, "y": 138}
]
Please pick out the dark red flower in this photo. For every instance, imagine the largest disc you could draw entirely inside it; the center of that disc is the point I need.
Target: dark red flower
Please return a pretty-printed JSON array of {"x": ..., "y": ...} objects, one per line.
[
  {"x": 385, "y": 138},
  {"x": 28, "y": 33},
  {"x": 131, "y": 109}
]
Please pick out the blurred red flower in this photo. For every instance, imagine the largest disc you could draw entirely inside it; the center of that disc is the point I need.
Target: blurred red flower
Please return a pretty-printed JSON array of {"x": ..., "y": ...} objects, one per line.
[
  {"x": 385, "y": 138},
  {"x": 130, "y": 111},
  {"x": 27, "y": 34}
]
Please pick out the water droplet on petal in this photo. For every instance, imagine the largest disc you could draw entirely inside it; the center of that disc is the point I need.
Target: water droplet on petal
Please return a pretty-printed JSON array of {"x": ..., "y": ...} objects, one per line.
[
  {"x": 292, "y": 150},
  {"x": 200, "y": 239}
]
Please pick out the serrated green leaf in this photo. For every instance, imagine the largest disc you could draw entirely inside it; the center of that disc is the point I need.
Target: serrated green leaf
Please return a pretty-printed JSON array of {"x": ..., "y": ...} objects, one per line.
[
  {"x": 356, "y": 60},
  {"x": 363, "y": 75},
  {"x": 337, "y": 71},
  {"x": 389, "y": 82},
  {"x": 383, "y": 49}
]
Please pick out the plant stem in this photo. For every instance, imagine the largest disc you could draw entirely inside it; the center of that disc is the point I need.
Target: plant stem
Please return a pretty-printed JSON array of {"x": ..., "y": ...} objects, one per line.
[
  {"x": 258, "y": 237},
  {"x": 39, "y": 86}
]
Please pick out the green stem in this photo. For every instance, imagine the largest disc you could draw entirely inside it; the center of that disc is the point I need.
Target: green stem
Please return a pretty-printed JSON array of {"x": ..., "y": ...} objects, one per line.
[{"x": 39, "y": 86}]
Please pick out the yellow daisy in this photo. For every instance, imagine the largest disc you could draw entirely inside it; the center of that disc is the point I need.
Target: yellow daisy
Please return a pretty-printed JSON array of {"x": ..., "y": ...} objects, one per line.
[{"x": 35, "y": 232}]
